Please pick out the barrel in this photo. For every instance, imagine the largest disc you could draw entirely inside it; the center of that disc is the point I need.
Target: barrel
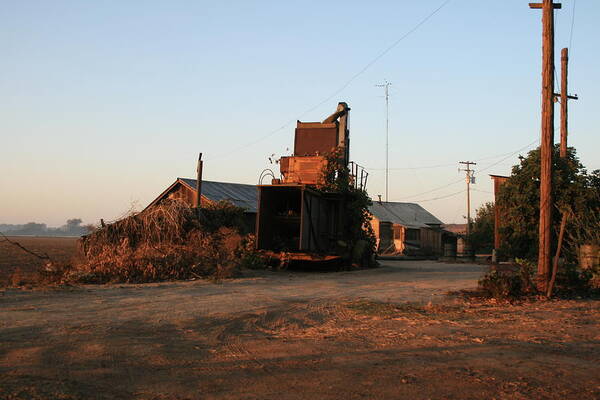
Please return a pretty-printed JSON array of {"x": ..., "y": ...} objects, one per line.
[
  {"x": 449, "y": 250},
  {"x": 589, "y": 256},
  {"x": 463, "y": 249}
]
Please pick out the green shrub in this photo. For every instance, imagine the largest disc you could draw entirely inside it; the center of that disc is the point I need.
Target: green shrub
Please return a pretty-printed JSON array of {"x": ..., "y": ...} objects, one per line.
[
  {"x": 222, "y": 214},
  {"x": 510, "y": 284},
  {"x": 247, "y": 255}
]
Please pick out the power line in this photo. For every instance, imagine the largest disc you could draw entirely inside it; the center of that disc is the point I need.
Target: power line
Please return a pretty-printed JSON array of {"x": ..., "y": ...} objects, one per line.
[
  {"x": 510, "y": 155},
  {"x": 451, "y": 164},
  {"x": 572, "y": 25},
  {"x": 439, "y": 198},
  {"x": 482, "y": 191},
  {"x": 408, "y": 168},
  {"x": 481, "y": 170},
  {"x": 344, "y": 86},
  {"x": 434, "y": 190}
]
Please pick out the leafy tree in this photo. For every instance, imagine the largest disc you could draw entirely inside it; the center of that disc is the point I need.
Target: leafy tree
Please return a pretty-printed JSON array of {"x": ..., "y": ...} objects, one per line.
[
  {"x": 357, "y": 225},
  {"x": 572, "y": 189},
  {"x": 482, "y": 232}
]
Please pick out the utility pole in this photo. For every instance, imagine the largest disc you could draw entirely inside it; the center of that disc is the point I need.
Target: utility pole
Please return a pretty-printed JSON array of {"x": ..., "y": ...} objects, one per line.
[
  {"x": 469, "y": 177},
  {"x": 564, "y": 99},
  {"x": 547, "y": 142},
  {"x": 199, "y": 182},
  {"x": 386, "y": 85}
]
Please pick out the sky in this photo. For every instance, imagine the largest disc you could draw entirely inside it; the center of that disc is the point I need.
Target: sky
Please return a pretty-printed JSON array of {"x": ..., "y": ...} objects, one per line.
[{"x": 103, "y": 104}]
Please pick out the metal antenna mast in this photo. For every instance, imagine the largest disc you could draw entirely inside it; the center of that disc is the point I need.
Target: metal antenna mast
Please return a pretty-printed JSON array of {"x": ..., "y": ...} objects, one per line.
[{"x": 386, "y": 86}]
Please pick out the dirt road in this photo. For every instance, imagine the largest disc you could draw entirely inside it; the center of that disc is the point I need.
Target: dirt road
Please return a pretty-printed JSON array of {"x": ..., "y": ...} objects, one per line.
[{"x": 382, "y": 333}]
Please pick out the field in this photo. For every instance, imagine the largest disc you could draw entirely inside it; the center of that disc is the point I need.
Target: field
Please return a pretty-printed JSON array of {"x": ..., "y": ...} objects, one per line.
[
  {"x": 389, "y": 332},
  {"x": 60, "y": 249}
]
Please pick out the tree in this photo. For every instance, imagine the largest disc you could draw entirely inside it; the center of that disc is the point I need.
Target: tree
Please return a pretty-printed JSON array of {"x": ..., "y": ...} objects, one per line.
[
  {"x": 482, "y": 233},
  {"x": 572, "y": 189},
  {"x": 358, "y": 232}
]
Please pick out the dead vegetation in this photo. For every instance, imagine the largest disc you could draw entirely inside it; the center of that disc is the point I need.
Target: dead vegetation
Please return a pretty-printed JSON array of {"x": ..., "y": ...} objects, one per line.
[{"x": 165, "y": 242}]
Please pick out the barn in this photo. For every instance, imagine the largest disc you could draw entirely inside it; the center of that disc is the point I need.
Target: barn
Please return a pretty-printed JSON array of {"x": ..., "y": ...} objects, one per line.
[
  {"x": 406, "y": 228},
  {"x": 238, "y": 194}
]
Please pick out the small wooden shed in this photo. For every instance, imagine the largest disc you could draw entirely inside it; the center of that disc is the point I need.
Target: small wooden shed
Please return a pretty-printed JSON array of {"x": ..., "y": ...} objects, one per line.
[
  {"x": 406, "y": 228},
  {"x": 238, "y": 194}
]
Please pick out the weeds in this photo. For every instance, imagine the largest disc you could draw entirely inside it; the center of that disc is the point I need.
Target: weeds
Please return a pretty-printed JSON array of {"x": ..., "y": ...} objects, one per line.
[
  {"x": 518, "y": 281},
  {"x": 166, "y": 242}
]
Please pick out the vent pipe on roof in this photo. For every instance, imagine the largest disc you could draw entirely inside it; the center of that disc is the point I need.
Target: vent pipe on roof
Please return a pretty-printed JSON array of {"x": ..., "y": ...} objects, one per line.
[
  {"x": 199, "y": 182},
  {"x": 379, "y": 201}
]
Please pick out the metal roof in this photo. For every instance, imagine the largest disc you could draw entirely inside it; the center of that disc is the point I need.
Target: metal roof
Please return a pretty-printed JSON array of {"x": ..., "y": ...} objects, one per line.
[
  {"x": 241, "y": 195},
  {"x": 410, "y": 215}
]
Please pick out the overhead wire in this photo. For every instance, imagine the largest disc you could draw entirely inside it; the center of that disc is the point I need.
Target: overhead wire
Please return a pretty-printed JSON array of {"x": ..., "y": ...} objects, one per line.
[
  {"x": 481, "y": 191},
  {"x": 572, "y": 26},
  {"x": 341, "y": 88},
  {"x": 462, "y": 179},
  {"x": 508, "y": 156},
  {"x": 453, "y": 163},
  {"x": 439, "y": 198},
  {"x": 435, "y": 189}
]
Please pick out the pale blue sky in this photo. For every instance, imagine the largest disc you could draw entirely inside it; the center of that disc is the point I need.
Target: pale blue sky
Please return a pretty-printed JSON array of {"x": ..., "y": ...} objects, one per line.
[{"x": 105, "y": 103}]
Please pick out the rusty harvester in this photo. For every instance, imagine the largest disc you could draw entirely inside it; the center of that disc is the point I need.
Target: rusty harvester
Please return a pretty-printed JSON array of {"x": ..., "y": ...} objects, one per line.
[{"x": 296, "y": 220}]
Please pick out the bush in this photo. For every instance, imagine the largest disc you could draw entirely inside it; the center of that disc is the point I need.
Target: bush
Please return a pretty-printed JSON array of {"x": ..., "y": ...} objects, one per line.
[
  {"x": 165, "y": 242},
  {"x": 573, "y": 188},
  {"x": 359, "y": 238},
  {"x": 223, "y": 214},
  {"x": 509, "y": 284},
  {"x": 518, "y": 281},
  {"x": 247, "y": 255}
]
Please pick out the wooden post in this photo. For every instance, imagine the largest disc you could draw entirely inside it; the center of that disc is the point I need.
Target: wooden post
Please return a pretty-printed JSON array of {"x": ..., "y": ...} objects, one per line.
[
  {"x": 563, "y": 224},
  {"x": 199, "y": 182},
  {"x": 564, "y": 100},
  {"x": 547, "y": 142}
]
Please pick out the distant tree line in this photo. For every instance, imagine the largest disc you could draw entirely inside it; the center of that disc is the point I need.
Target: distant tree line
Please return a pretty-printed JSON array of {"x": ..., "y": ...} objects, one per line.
[{"x": 73, "y": 227}]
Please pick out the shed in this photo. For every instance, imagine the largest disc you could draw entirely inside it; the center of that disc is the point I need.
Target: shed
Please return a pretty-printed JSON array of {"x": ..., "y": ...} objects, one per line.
[
  {"x": 406, "y": 228},
  {"x": 238, "y": 194}
]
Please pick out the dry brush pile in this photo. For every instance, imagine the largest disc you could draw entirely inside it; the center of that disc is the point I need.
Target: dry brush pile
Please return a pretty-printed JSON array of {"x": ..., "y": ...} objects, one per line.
[{"x": 165, "y": 242}]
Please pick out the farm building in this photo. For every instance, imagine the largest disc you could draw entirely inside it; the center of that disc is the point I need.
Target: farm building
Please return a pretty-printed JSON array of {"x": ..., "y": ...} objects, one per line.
[
  {"x": 406, "y": 228},
  {"x": 239, "y": 194}
]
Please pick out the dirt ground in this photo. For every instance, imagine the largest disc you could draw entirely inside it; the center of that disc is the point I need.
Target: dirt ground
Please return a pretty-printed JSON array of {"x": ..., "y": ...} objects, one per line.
[{"x": 389, "y": 332}]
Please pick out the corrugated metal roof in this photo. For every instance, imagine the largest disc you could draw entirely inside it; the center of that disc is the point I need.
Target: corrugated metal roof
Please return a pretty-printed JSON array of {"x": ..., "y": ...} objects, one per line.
[
  {"x": 241, "y": 195},
  {"x": 410, "y": 215}
]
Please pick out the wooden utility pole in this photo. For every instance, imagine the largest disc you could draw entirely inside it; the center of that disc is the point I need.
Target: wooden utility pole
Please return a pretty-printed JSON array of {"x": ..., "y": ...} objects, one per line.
[
  {"x": 564, "y": 99},
  {"x": 199, "y": 182},
  {"x": 547, "y": 142},
  {"x": 469, "y": 178}
]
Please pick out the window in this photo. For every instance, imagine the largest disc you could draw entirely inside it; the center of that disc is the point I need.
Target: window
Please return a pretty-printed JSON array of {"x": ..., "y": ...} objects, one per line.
[{"x": 413, "y": 235}]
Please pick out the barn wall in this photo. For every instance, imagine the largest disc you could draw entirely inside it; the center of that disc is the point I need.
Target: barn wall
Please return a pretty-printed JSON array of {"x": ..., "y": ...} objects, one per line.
[
  {"x": 431, "y": 241},
  {"x": 183, "y": 193}
]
